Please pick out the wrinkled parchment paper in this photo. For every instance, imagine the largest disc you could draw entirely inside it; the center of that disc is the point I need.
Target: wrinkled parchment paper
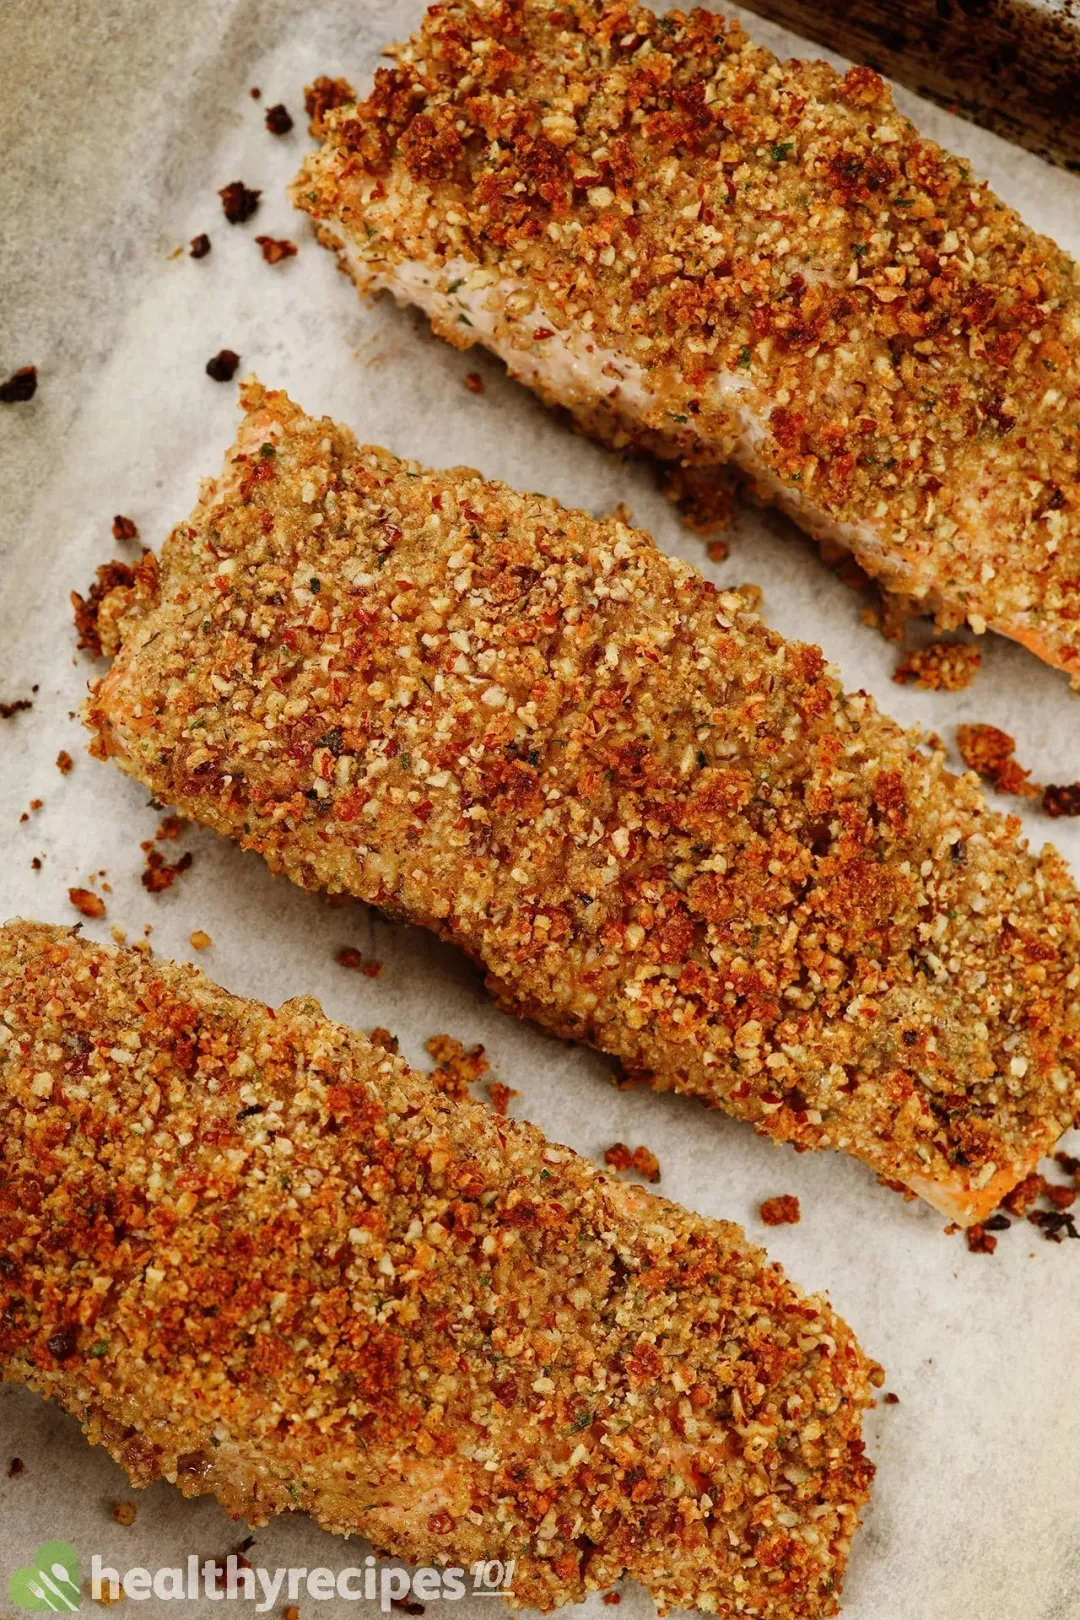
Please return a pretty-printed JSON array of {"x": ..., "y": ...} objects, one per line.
[{"x": 120, "y": 121}]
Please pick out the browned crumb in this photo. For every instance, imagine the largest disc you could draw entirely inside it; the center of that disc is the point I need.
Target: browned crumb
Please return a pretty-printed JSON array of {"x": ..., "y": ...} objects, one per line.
[
  {"x": 499, "y": 1096},
  {"x": 124, "y": 1513},
  {"x": 124, "y": 528},
  {"x": 36, "y": 804},
  {"x": 85, "y": 608},
  {"x": 349, "y": 957},
  {"x": 642, "y": 1160},
  {"x": 222, "y": 366},
  {"x": 1068, "y": 1163},
  {"x": 943, "y": 666},
  {"x": 35, "y": 864},
  {"x": 989, "y": 753},
  {"x": 890, "y": 1399},
  {"x": 200, "y": 246},
  {"x": 291, "y": 1612},
  {"x": 170, "y": 829},
  {"x": 474, "y": 382},
  {"x": 1062, "y": 800},
  {"x": 278, "y": 119},
  {"x": 612, "y": 1598},
  {"x": 87, "y": 902},
  {"x": 1024, "y": 1194},
  {"x": 16, "y": 1467},
  {"x": 322, "y": 97},
  {"x": 200, "y": 940},
  {"x": 979, "y": 1240},
  {"x": 705, "y": 497},
  {"x": 19, "y": 387},
  {"x": 718, "y": 551},
  {"x": 64, "y": 762},
  {"x": 617, "y": 1156},
  {"x": 889, "y": 615},
  {"x": 408, "y": 1606},
  {"x": 1059, "y": 1197},
  {"x": 118, "y": 934},
  {"x": 898, "y": 1187},
  {"x": 382, "y": 1037},
  {"x": 238, "y": 202},
  {"x": 110, "y": 1592},
  {"x": 255, "y": 93},
  {"x": 274, "y": 248},
  {"x": 457, "y": 1067},
  {"x": 783, "y": 1210},
  {"x": 8, "y": 711},
  {"x": 1055, "y": 1224},
  {"x": 160, "y": 874}
]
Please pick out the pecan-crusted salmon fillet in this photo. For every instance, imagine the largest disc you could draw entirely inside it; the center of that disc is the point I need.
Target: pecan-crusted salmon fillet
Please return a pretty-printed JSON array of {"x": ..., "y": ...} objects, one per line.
[
  {"x": 659, "y": 827},
  {"x": 723, "y": 257},
  {"x": 262, "y": 1258}
]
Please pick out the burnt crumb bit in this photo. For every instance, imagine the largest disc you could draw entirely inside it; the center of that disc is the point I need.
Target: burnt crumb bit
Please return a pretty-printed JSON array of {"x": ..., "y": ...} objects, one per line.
[
  {"x": 161, "y": 874},
  {"x": 1068, "y": 1163},
  {"x": 64, "y": 762},
  {"x": 200, "y": 246},
  {"x": 278, "y": 119},
  {"x": 35, "y": 805},
  {"x": 322, "y": 97},
  {"x": 474, "y": 382},
  {"x": 1026, "y": 1193},
  {"x": 20, "y": 386},
  {"x": 16, "y": 1467},
  {"x": 1056, "y": 1224},
  {"x": 238, "y": 202},
  {"x": 255, "y": 93},
  {"x": 274, "y": 248},
  {"x": 457, "y": 1066},
  {"x": 124, "y": 528},
  {"x": 979, "y": 1240},
  {"x": 943, "y": 666},
  {"x": 642, "y": 1160},
  {"x": 989, "y": 753},
  {"x": 705, "y": 497},
  {"x": 85, "y": 609},
  {"x": 170, "y": 828},
  {"x": 890, "y": 1399},
  {"x": 87, "y": 902},
  {"x": 611, "y": 1598},
  {"x": 499, "y": 1096},
  {"x": 781, "y": 1211},
  {"x": 222, "y": 367},
  {"x": 407, "y": 1606},
  {"x": 35, "y": 864},
  {"x": 124, "y": 1513},
  {"x": 349, "y": 957},
  {"x": 1062, "y": 800},
  {"x": 8, "y": 711},
  {"x": 382, "y": 1038}
]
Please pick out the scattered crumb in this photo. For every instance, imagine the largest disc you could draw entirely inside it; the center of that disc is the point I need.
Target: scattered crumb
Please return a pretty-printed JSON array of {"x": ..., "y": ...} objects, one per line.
[
  {"x": 119, "y": 934},
  {"x": 891, "y": 612},
  {"x": 1056, "y": 1224},
  {"x": 160, "y": 874},
  {"x": 278, "y": 119},
  {"x": 238, "y": 202},
  {"x": 499, "y": 1096},
  {"x": 382, "y": 1037},
  {"x": 717, "y": 551},
  {"x": 705, "y": 496},
  {"x": 1070, "y": 1165},
  {"x": 1060, "y": 1197},
  {"x": 407, "y": 1606},
  {"x": 781, "y": 1211},
  {"x": 8, "y": 711},
  {"x": 274, "y": 248},
  {"x": 87, "y": 902},
  {"x": 456, "y": 1067},
  {"x": 890, "y": 1399},
  {"x": 222, "y": 366},
  {"x": 642, "y": 1160},
  {"x": 988, "y": 752},
  {"x": 1060, "y": 801},
  {"x": 943, "y": 666},
  {"x": 16, "y": 1467},
  {"x": 752, "y": 595},
  {"x": 612, "y": 1598},
  {"x": 124, "y": 528},
  {"x": 474, "y": 382},
  {"x": 85, "y": 609},
  {"x": 124, "y": 1513},
  {"x": 35, "y": 864},
  {"x": 20, "y": 386},
  {"x": 322, "y": 97},
  {"x": 200, "y": 940},
  {"x": 200, "y": 246},
  {"x": 1027, "y": 1192},
  {"x": 255, "y": 93},
  {"x": 349, "y": 957},
  {"x": 979, "y": 1240},
  {"x": 170, "y": 828},
  {"x": 291, "y": 1612},
  {"x": 110, "y": 1592},
  {"x": 64, "y": 762}
]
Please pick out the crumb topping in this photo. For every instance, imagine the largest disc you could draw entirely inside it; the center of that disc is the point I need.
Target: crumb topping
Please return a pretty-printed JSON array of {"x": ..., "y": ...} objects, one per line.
[
  {"x": 261, "y": 1258},
  {"x": 943, "y": 666}
]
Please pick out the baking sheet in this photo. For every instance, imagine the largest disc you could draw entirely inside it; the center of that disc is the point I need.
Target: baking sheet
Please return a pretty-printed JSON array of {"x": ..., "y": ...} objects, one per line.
[{"x": 120, "y": 121}]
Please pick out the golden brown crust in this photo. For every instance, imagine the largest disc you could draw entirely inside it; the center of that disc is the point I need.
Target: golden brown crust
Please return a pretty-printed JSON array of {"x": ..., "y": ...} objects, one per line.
[
  {"x": 659, "y": 827},
  {"x": 752, "y": 236},
  {"x": 260, "y": 1257}
]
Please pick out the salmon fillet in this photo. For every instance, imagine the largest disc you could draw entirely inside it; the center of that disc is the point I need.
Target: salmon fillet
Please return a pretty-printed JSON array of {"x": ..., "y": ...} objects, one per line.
[
  {"x": 658, "y": 826},
  {"x": 261, "y": 1258},
  {"x": 722, "y": 258}
]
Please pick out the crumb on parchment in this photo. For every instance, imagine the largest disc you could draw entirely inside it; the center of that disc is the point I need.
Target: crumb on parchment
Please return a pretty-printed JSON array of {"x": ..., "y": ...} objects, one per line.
[
  {"x": 322, "y": 97},
  {"x": 275, "y": 248},
  {"x": 278, "y": 119},
  {"x": 124, "y": 528},
  {"x": 988, "y": 752},
  {"x": 64, "y": 762},
  {"x": 457, "y": 1066},
  {"x": 500, "y": 1096},
  {"x": 783, "y": 1210},
  {"x": 1061, "y": 800},
  {"x": 222, "y": 366},
  {"x": 8, "y": 711},
  {"x": 943, "y": 666},
  {"x": 160, "y": 874},
  {"x": 641, "y": 1160},
  {"x": 349, "y": 957},
  {"x": 87, "y": 902},
  {"x": 19, "y": 387},
  {"x": 238, "y": 202}
]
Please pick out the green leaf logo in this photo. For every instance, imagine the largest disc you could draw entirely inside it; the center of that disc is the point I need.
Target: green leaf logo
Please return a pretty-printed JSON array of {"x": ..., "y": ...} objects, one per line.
[{"x": 50, "y": 1582}]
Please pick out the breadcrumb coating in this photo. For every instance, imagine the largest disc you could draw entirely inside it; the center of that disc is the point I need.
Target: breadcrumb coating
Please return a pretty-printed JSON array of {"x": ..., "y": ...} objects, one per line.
[
  {"x": 658, "y": 826},
  {"x": 720, "y": 256},
  {"x": 261, "y": 1258}
]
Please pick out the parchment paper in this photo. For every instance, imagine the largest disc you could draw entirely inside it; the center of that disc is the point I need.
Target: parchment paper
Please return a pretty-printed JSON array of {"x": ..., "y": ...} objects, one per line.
[{"x": 120, "y": 121}]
